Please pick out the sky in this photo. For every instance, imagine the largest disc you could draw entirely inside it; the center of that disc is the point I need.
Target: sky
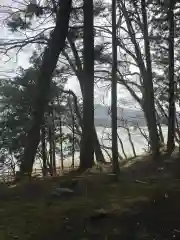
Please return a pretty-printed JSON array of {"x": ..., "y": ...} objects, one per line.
[{"x": 10, "y": 64}]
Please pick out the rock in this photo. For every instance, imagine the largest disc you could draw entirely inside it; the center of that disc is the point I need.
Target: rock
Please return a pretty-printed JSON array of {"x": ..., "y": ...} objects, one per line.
[{"x": 59, "y": 192}]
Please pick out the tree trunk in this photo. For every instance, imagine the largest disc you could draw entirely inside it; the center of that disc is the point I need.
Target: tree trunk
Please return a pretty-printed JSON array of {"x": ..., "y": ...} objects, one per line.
[
  {"x": 49, "y": 62},
  {"x": 122, "y": 147},
  {"x": 53, "y": 144},
  {"x": 97, "y": 148},
  {"x": 172, "y": 111},
  {"x": 87, "y": 139},
  {"x": 44, "y": 153},
  {"x": 148, "y": 105},
  {"x": 50, "y": 147},
  {"x": 73, "y": 139},
  {"x": 73, "y": 129},
  {"x": 115, "y": 161},
  {"x": 61, "y": 144},
  {"x": 80, "y": 77},
  {"x": 131, "y": 142},
  {"x": 160, "y": 132},
  {"x": 148, "y": 88}
]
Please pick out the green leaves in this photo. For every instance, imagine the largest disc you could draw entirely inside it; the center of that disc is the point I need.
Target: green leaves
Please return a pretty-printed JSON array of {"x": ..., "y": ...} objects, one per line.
[{"x": 17, "y": 106}]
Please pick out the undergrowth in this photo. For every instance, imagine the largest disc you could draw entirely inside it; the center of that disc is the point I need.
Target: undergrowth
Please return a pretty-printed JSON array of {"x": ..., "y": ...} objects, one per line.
[{"x": 104, "y": 209}]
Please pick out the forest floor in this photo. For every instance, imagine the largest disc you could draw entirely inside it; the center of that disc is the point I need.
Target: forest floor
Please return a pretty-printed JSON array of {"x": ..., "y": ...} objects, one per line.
[{"x": 144, "y": 204}]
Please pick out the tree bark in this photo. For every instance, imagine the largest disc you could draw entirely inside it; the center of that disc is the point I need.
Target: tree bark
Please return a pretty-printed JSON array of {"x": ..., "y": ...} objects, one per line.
[
  {"x": 148, "y": 88},
  {"x": 50, "y": 147},
  {"x": 73, "y": 129},
  {"x": 53, "y": 143},
  {"x": 122, "y": 147},
  {"x": 44, "y": 153},
  {"x": 97, "y": 147},
  {"x": 49, "y": 62},
  {"x": 61, "y": 144},
  {"x": 172, "y": 111},
  {"x": 73, "y": 139},
  {"x": 80, "y": 77},
  {"x": 147, "y": 104},
  {"x": 115, "y": 162},
  {"x": 87, "y": 139}
]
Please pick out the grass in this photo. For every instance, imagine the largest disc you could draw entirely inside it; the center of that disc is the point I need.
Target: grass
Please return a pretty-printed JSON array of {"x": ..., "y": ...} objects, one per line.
[{"x": 104, "y": 209}]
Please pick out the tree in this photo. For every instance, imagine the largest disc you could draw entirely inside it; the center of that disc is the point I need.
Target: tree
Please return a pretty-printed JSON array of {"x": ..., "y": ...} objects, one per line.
[
  {"x": 148, "y": 87},
  {"x": 73, "y": 128},
  {"x": 142, "y": 58},
  {"x": 87, "y": 140},
  {"x": 77, "y": 65},
  {"x": 51, "y": 138},
  {"x": 132, "y": 64},
  {"x": 17, "y": 106},
  {"x": 166, "y": 15},
  {"x": 44, "y": 150},
  {"x": 172, "y": 111},
  {"x": 114, "y": 93},
  {"x": 52, "y": 51},
  {"x": 72, "y": 51}
]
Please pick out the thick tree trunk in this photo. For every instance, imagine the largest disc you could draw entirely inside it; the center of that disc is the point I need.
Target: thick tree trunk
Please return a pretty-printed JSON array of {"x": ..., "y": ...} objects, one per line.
[
  {"x": 115, "y": 161},
  {"x": 87, "y": 140},
  {"x": 172, "y": 111},
  {"x": 148, "y": 88},
  {"x": 80, "y": 77},
  {"x": 97, "y": 147},
  {"x": 33, "y": 139},
  {"x": 49, "y": 62}
]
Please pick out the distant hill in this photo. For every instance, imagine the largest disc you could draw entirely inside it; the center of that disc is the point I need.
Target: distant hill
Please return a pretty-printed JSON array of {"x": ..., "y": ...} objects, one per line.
[{"x": 132, "y": 116}]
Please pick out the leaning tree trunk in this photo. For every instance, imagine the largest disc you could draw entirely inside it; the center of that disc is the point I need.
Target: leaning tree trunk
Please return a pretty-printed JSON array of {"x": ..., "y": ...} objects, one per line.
[
  {"x": 148, "y": 105},
  {"x": 97, "y": 148},
  {"x": 115, "y": 161},
  {"x": 49, "y": 62},
  {"x": 148, "y": 88},
  {"x": 87, "y": 139},
  {"x": 172, "y": 111}
]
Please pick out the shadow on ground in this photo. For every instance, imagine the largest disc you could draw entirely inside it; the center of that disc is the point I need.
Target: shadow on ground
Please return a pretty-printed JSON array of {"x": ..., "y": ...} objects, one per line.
[{"x": 144, "y": 204}]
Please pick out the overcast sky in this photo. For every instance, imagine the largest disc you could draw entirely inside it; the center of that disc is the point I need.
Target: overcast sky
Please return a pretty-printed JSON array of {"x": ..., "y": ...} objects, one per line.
[{"x": 10, "y": 64}]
